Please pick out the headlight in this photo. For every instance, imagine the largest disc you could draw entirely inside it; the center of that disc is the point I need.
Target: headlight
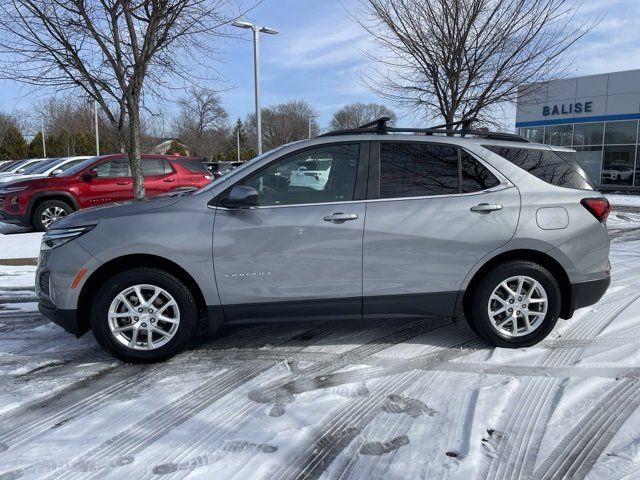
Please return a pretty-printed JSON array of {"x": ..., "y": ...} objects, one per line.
[
  {"x": 11, "y": 190},
  {"x": 59, "y": 236}
]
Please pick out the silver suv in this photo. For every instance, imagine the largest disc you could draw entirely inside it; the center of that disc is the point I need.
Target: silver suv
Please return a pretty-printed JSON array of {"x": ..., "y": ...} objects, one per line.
[{"x": 400, "y": 223}]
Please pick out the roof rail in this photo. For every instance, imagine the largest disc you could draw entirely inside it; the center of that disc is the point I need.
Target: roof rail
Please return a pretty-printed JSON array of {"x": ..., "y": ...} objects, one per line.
[{"x": 380, "y": 127}]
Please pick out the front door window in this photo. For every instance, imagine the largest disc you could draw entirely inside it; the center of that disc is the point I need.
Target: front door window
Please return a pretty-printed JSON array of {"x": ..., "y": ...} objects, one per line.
[{"x": 318, "y": 175}]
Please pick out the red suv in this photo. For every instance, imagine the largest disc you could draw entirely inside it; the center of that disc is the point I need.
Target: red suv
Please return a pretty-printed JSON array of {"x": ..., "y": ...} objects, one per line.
[{"x": 38, "y": 202}]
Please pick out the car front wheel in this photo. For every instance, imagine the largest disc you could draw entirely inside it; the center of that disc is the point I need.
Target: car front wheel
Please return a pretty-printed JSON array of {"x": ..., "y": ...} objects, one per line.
[
  {"x": 517, "y": 304},
  {"x": 144, "y": 315},
  {"x": 48, "y": 212}
]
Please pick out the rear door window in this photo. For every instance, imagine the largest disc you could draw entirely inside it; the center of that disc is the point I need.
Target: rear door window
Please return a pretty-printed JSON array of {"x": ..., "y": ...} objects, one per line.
[
  {"x": 155, "y": 166},
  {"x": 546, "y": 165},
  {"x": 417, "y": 170},
  {"x": 475, "y": 176}
]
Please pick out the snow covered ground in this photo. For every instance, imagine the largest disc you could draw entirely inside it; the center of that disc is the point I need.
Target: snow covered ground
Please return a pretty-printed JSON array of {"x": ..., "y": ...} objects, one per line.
[{"x": 379, "y": 399}]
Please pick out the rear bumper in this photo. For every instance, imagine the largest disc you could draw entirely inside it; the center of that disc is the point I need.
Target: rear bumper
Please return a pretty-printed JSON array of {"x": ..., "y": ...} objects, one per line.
[
  {"x": 67, "y": 319},
  {"x": 588, "y": 293}
]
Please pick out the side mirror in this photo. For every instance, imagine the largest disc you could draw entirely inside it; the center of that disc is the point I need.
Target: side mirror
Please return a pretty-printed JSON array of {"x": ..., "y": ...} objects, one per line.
[
  {"x": 90, "y": 175},
  {"x": 57, "y": 171},
  {"x": 241, "y": 196}
]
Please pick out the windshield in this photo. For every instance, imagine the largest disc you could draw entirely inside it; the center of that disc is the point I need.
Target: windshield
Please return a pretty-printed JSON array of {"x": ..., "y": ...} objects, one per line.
[
  {"x": 16, "y": 166},
  {"x": 6, "y": 167},
  {"x": 236, "y": 171},
  {"x": 41, "y": 167},
  {"x": 78, "y": 167}
]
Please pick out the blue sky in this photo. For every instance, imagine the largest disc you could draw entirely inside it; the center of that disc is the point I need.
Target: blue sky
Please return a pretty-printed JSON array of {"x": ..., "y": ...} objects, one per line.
[{"x": 317, "y": 55}]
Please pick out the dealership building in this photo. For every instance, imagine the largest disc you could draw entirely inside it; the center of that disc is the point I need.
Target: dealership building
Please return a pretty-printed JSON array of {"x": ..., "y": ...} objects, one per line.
[{"x": 596, "y": 115}]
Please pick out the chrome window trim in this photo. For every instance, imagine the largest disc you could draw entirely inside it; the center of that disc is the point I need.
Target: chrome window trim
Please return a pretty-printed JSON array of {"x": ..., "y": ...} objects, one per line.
[
  {"x": 505, "y": 183},
  {"x": 497, "y": 188}
]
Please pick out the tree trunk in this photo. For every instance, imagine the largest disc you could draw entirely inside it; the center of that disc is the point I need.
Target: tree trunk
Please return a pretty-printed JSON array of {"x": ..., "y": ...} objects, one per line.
[
  {"x": 120, "y": 130},
  {"x": 134, "y": 151}
]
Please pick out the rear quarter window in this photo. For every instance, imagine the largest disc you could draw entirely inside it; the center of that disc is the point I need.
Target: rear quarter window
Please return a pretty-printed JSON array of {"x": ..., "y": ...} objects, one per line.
[
  {"x": 194, "y": 166},
  {"x": 546, "y": 165}
]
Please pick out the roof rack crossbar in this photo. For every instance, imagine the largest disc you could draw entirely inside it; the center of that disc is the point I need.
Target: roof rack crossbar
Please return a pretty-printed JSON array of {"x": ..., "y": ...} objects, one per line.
[{"x": 431, "y": 131}]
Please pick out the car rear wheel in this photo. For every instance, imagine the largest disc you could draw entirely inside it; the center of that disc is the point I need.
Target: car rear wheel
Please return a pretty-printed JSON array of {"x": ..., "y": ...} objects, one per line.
[
  {"x": 48, "y": 212},
  {"x": 144, "y": 315},
  {"x": 515, "y": 305}
]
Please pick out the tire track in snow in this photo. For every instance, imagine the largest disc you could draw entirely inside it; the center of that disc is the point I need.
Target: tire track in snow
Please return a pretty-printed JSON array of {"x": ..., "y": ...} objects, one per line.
[
  {"x": 336, "y": 435},
  {"x": 319, "y": 452},
  {"x": 28, "y": 423},
  {"x": 579, "y": 450},
  {"x": 523, "y": 429},
  {"x": 246, "y": 409},
  {"x": 143, "y": 433},
  {"x": 277, "y": 390},
  {"x": 301, "y": 340}
]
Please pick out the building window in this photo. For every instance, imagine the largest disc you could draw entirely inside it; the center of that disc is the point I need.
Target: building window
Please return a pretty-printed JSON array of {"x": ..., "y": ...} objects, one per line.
[
  {"x": 616, "y": 133},
  {"x": 588, "y": 134},
  {"x": 618, "y": 164},
  {"x": 535, "y": 135},
  {"x": 591, "y": 160},
  {"x": 559, "y": 135}
]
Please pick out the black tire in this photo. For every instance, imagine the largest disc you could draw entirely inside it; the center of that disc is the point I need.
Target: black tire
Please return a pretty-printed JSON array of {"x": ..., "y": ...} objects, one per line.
[
  {"x": 37, "y": 217},
  {"x": 477, "y": 308},
  {"x": 160, "y": 278}
]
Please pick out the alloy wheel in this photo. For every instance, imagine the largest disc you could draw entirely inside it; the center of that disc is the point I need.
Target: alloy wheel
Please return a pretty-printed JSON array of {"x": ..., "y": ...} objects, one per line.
[
  {"x": 51, "y": 214},
  {"x": 518, "y": 306},
  {"x": 144, "y": 317}
]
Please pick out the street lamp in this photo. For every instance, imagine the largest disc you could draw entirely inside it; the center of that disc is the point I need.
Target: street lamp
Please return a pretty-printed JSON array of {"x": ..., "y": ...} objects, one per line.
[
  {"x": 310, "y": 116},
  {"x": 256, "y": 71}
]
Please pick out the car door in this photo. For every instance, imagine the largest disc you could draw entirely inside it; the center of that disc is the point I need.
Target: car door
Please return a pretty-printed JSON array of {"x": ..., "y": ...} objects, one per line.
[
  {"x": 159, "y": 176},
  {"x": 113, "y": 183},
  {"x": 434, "y": 211},
  {"x": 299, "y": 252}
]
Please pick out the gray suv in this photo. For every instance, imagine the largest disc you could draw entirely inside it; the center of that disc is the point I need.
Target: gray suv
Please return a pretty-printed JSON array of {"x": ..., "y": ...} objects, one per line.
[{"x": 390, "y": 222}]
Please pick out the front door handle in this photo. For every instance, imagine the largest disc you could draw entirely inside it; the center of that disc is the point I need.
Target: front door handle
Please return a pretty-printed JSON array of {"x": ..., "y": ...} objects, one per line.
[
  {"x": 486, "y": 207},
  {"x": 340, "y": 217},
  {"x": 169, "y": 180},
  {"x": 122, "y": 183}
]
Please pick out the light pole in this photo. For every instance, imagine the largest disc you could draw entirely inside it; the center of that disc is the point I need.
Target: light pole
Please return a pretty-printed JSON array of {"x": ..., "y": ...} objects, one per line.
[
  {"x": 238, "y": 143},
  {"x": 310, "y": 116},
  {"x": 95, "y": 114},
  {"x": 256, "y": 72},
  {"x": 44, "y": 143}
]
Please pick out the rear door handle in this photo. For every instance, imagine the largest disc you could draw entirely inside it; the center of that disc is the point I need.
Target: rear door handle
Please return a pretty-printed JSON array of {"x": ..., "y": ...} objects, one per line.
[
  {"x": 340, "y": 217},
  {"x": 486, "y": 207},
  {"x": 122, "y": 183}
]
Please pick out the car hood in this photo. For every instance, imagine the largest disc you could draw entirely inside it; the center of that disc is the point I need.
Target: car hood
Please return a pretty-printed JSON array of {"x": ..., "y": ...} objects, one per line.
[
  {"x": 91, "y": 216},
  {"x": 18, "y": 176}
]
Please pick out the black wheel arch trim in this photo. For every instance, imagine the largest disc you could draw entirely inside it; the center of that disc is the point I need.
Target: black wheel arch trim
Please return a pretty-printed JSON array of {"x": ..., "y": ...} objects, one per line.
[{"x": 39, "y": 197}]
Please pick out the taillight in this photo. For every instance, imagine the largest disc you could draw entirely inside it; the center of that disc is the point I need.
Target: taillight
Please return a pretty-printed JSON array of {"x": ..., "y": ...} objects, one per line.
[{"x": 598, "y": 207}]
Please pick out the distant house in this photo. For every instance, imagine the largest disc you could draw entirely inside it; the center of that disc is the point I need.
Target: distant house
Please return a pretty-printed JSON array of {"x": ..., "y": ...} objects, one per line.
[{"x": 171, "y": 146}]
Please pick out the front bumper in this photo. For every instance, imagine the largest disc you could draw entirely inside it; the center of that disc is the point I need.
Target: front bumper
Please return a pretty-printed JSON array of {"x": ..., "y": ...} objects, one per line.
[
  {"x": 22, "y": 220},
  {"x": 67, "y": 319}
]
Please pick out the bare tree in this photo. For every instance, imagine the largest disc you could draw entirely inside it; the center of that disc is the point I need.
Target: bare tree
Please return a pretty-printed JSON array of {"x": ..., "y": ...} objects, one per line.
[
  {"x": 356, "y": 114},
  {"x": 200, "y": 121},
  {"x": 283, "y": 123},
  {"x": 461, "y": 59},
  {"x": 114, "y": 51}
]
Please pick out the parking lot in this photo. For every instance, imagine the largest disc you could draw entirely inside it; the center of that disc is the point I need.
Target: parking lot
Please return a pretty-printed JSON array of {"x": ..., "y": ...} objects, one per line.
[{"x": 375, "y": 399}]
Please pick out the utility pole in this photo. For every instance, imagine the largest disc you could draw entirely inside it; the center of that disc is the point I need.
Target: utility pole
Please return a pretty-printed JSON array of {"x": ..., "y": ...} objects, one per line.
[{"x": 256, "y": 72}]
